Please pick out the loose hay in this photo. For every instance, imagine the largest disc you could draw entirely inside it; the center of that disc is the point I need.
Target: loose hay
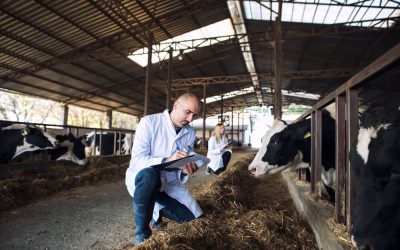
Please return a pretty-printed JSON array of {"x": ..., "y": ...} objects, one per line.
[
  {"x": 26, "y": 186},
  {"x": 240, "y": 212}
]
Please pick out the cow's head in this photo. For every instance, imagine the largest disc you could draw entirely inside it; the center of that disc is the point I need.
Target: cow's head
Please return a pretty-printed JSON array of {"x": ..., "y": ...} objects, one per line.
[
  {"x": 377, "y": 212},
  {"x": 71, "y": 149},
  {"x": 127, "y": 144},
  {"x": 284, "y": 148},
  {"x": 31, "y": 138},
  {"x": 258, "y": 166},
  {"x": 37, "y": 138}
]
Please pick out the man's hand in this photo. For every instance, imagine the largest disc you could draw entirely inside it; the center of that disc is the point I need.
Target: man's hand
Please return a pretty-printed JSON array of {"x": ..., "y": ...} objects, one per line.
[
  {"x": 190, "y": 168},
  {"x": 177, "y": 155}
]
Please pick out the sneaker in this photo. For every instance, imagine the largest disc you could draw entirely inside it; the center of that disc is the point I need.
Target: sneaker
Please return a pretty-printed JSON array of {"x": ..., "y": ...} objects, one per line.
[
  {"x": 155, "y": 225},
  {"x": 139, "y": 238}
]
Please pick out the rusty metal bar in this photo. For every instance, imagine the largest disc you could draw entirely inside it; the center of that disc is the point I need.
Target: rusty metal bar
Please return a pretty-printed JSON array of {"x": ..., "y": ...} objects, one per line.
[
  {"x": 316, "y": 151},
  {"x": 204, "y": 115},
  {"x": 115, "y": 143},
  {"x": 94, "y": 142},
  {"x": 351, "y": 136},
  {"x": 148, "y": 76},
  {"x": 340, "y": 155},
  {"x": 169, "y": 79}
]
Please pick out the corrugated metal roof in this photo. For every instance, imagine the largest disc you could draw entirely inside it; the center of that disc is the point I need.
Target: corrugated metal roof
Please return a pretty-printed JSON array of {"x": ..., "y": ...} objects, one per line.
[{"x": 75, "y": 52}]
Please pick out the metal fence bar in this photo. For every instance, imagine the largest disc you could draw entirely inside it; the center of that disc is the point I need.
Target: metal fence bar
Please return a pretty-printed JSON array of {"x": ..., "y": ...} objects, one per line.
[
  {"x": 340, "y": 160},
  {"x": 351, "y": 136}
]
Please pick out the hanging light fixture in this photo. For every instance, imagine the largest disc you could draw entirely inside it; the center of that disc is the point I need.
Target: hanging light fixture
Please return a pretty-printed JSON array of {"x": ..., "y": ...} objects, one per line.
[{"x": 180, "y": 57}]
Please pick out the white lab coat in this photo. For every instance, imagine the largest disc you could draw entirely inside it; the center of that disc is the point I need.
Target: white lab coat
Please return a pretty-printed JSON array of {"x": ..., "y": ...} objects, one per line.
[
  {"x": 156, "y": 138},
  {"x": 214, "y": 152}
]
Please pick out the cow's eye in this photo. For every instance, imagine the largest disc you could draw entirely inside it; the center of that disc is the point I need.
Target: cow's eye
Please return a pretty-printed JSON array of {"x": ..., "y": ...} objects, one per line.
[{"x": 275, "y": 142}]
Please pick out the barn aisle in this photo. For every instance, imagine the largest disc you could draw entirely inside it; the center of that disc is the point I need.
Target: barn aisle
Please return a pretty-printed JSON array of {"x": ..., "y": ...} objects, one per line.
[{"x": 92, "y": 217}]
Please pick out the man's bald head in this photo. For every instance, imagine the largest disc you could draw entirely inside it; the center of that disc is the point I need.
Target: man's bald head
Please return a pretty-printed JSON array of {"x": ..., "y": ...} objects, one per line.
[{"x": 184, "y": 109}]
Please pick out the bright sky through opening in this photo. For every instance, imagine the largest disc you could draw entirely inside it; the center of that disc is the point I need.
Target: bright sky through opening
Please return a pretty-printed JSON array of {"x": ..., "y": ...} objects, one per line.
[{"x": 221, "y": 28}]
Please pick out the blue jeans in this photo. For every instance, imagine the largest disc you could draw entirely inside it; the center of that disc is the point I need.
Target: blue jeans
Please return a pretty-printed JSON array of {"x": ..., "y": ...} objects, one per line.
[
  {"x": 147, "y": 192},
  {"x": 226, "y": 157}
]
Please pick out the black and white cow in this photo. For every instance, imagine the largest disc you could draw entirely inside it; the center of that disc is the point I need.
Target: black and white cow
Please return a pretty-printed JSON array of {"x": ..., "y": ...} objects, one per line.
[
  {"x": 19, "y": 138},
  {"x": 288, "y": 147},
  {"x": 107, "y": 143},
  {"x": 376, "y": 159},
  {"x": 70, "y": 149}
]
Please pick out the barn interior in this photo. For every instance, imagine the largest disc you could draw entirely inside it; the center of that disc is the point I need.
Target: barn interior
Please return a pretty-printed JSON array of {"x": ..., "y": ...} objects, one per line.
[{"x": 233, "y": 54}]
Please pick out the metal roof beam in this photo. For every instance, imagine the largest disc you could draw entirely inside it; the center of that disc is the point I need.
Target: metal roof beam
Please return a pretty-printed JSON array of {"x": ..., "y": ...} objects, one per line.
[
  {"x": 295, "y": 75},
  {"x": 377, "y": 4},
  {"x": 238, "y": 19}
]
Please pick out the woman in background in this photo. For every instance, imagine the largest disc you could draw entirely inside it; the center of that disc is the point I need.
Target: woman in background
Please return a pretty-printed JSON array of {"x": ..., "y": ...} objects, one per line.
[{"x": 219, "y": 151}]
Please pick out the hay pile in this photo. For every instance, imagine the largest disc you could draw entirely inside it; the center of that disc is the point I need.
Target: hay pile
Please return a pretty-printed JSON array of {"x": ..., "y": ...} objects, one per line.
[
  {"x": 240, "y": 212},
  {"x": 27, "y": 186}
]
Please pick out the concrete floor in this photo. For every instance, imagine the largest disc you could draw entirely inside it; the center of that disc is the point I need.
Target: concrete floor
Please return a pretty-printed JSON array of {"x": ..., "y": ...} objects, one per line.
[{"x": 93, "y": 217}]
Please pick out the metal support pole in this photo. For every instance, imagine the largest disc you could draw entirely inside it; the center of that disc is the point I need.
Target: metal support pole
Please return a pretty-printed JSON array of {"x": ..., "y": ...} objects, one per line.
[
  {"x": 243, "y": 131},
  {"x": 204, "y": 114},
  {"x": 109, "y": 117},
  {"x": 169, "y": 79},
  {"x": 238, "y": 129},
  {"x": 278, "y": 66},
  {"x": 352, "y": 129},
  {"x": 222, "y": 108},
  {"x": 232, "y": 125},
  {"x": 65, "y": 116},
  {"x": 148, "y": 75},
  {"x": 94, "y": 142},
  {"x": 340, "y": 159},
  {"x": 316, "y": 152}
]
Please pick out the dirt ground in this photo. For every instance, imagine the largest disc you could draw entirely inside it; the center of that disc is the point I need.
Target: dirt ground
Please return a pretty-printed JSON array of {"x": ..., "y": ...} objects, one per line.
[{"x": 97, "y": 213}]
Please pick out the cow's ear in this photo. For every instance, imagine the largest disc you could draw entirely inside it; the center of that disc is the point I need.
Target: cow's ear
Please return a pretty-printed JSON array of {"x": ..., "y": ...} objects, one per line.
[
  {"x": 71, "y": 137},
  {"x": 307, "y": 135},
  {"x": 26, "y": 131}
]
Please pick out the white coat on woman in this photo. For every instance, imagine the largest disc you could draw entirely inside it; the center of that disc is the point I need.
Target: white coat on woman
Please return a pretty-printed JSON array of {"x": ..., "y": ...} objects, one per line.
[
  {"x": 215, "y": 151},
  {"x": 155, "y": 139}
]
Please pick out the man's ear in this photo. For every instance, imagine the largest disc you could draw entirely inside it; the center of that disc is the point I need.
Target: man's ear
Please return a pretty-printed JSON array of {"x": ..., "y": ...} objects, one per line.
[{"x": 175, "y": 106}]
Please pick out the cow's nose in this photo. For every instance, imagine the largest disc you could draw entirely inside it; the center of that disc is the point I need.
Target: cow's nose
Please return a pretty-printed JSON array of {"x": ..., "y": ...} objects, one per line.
[
  {"x": 56, "y": 144},
  {"x": 253, "y": 170}
]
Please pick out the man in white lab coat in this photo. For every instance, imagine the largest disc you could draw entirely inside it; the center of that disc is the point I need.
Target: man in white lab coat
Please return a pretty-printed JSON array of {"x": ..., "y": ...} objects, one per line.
[{"x": 161, "y": 138}]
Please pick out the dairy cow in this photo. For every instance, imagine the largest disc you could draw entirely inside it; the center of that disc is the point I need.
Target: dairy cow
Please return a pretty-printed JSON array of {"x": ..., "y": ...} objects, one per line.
[
  {"x": 70, "y": 149},
  {"x": 376, "y": 159},
  {"x": 19, "y": 138},
  {"x": 288, "y": 147},
  {"x": 107, "y": 143}
]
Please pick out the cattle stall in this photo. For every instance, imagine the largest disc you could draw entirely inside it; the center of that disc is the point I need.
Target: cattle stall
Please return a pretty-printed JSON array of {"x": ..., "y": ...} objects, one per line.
[
  {"x": 92, "y": 141},
  {"x": 374, "y": 84}
]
